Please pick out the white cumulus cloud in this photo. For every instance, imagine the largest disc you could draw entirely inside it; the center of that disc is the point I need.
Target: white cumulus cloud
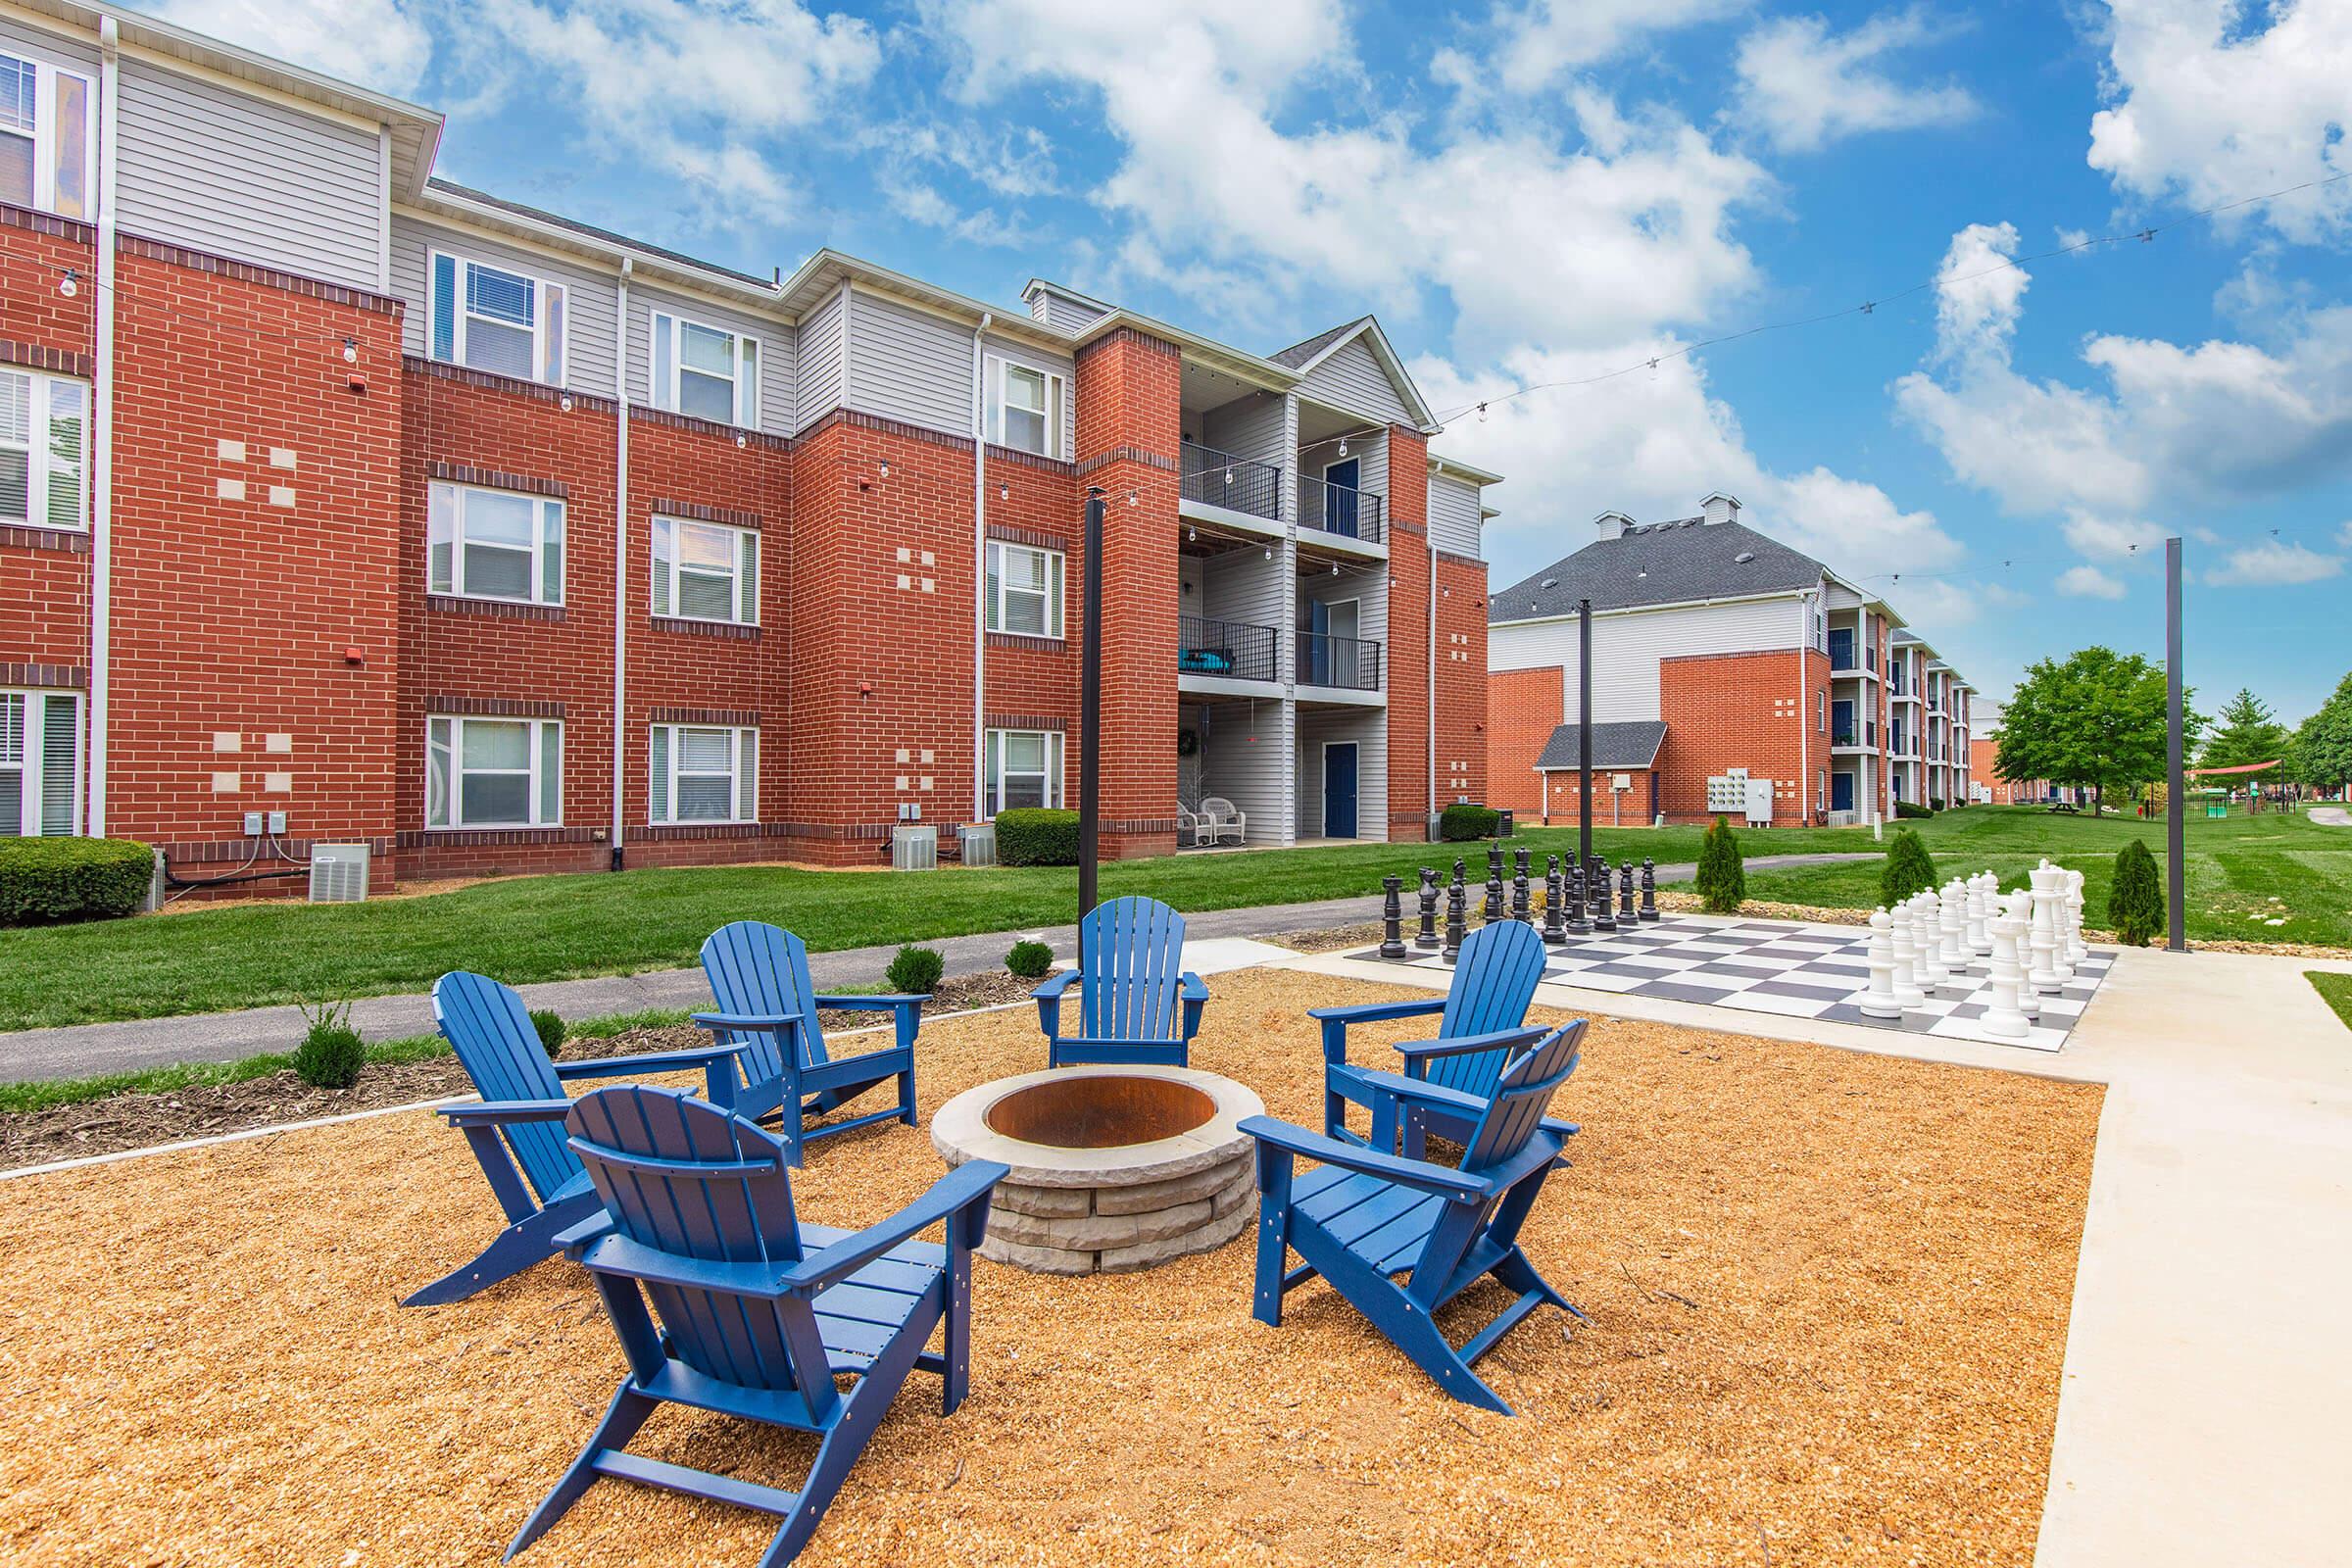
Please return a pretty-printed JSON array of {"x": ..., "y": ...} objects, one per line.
[
  {"x": 2274, "y": 563},
  {"x": 383, "y": 44},
  {"x": 1804, "y": 86},
  {"x": 2088, "y": 582}
]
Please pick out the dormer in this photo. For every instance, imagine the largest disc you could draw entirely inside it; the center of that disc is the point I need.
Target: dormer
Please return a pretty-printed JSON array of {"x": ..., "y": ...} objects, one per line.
[{"x": 1065, "y": 310}]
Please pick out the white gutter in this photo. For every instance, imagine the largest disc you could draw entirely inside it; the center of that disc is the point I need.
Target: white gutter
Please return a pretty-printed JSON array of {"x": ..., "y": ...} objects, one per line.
[
  {"x": 620, "y": 569},
  {"x": 102, "y": 424},
  {"x": 979, "y": 569}
]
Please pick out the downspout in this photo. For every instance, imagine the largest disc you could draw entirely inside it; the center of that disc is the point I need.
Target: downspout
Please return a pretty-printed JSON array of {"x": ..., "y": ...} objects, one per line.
[
  {"x": 102, "y": 427},
  {"x": 980, "y": 573},
  {"x": 620, "y": 571}
]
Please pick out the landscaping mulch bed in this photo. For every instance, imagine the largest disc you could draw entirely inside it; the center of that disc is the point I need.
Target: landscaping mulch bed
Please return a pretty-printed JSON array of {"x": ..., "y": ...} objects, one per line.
[
  {"x": 1828, "y": 1295},
  {"x": 138, "y": 1120}
]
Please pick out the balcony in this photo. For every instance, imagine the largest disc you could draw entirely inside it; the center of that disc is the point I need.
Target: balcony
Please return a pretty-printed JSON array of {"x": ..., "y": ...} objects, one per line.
[
  {"x": 1235, "y": 483},
  {"x": 1343, "y": 663},
  {"x": 1340, "y": 511},
  {"x": 1227, "y": 649}
]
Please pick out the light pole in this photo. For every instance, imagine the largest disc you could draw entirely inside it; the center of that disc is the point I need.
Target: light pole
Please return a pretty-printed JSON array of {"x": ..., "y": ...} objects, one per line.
[
  {"x": 2175, "y": 807},
  {"x": 1584, "y": 731}
]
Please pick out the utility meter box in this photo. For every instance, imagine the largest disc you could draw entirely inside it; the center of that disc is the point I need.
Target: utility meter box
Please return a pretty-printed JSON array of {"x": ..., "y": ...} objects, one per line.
[{"x": 1759, "y": 803}]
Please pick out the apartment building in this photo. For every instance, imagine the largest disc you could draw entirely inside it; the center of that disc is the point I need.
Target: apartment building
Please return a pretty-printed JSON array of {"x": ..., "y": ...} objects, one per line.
[
  {"x": 1718, "y": 653},
  {"x": 499, "y": 542}
]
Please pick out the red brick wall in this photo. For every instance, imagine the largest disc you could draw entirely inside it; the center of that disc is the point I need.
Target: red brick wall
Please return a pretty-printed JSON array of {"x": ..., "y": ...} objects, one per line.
[
  {"x": 1523, "y": 709},
  {"x": 1411, "y": 585},
  {"x": 1725, "y": 710},
  {"x": 1610, "y": 809},
  {"x": 1461, "y": 681}
]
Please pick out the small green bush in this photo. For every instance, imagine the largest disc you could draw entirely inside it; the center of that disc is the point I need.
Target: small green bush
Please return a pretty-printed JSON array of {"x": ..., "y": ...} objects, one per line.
[
  {"x": 1935, "y": 804},
  {"x": 331, "y": 1052},
  {"x": 1029, "y": 959},
  {"x": 1910, "y": 870},
  {"x": 916, "y": 971},
  {"x": 43, "y": 880},
  {"x": 2136, "y": 898},
  {"x": 1459, "y": 823},
  {"x": 1912, "y": 811},
  {"x": 1028, "y": 835},
  {"x": 550, "y": 1024},
  {"x": 1722, "y": 879}
]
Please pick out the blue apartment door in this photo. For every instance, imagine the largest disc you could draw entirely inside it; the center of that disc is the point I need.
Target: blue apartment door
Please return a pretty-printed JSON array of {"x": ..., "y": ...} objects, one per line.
[
  {"x": 1338, "y": 789},
  {"x": 1318, "y": 643},
  {"x": 1338, "y": 497},
  {"x": 1841, "y": 792}
]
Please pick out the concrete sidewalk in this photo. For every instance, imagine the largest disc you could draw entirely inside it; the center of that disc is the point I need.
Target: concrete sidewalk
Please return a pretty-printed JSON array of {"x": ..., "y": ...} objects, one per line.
[{"x": 84, "y": 1050}]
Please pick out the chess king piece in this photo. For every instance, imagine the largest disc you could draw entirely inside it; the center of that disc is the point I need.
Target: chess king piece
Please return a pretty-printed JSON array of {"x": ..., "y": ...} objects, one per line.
[
  {"x": 1980, "y": 916},
  {"x": 1391, "y": 918},
  {"x": 1519, "y": 888},
  {"x": 1907, "y": 991},
  {"x": 1649, "y": 889},
  {"x": 1457, "y": 912},
  {"x": 1879, "y": 1001},
  {"x": 1554, "y": 934},
  {"x": 1426, "y": 939},
  {"x": 2002, "y": 1015},
  {"x": 2045, "y": 974},
  {"x": 2019, "y": 906}
]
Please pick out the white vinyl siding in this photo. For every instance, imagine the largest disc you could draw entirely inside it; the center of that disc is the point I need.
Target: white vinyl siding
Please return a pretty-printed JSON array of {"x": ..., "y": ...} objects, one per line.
[
  {"x": 493, "y": 773},
  {"x": 496, "y": 318},
  {"x": 591, "y": 299},
  {"x": 1351, "y": 379},
  {"x": 1454, "y": 523},
  {"x": 1024, "y": 768},
  {"x": 704, "y": 372},
  {"x": 706, "y": 572},
  {"x": 1024, "y": 589},
  {"x": 909, "y": 364},
  {"x": 48, "y": 126},
  {"x": 1628, "y": 648},
  {"x": 824, "y": 366},
  {"x": 40, "y": 763},
  {"x": 1368, "y": 730},
  {"x": 45, "y": 451},
  {"x": 203, "y": 165},
  {"x": 494, "y": 544},
  {"x": 704, "y": 773}
]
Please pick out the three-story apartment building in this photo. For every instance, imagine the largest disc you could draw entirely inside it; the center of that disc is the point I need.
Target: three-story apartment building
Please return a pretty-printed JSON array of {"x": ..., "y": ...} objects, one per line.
[{"x": 500, "y": 542}]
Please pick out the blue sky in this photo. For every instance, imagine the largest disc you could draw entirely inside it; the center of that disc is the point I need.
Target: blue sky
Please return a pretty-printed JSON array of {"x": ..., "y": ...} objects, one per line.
[{"x": 1530, "y": 192}]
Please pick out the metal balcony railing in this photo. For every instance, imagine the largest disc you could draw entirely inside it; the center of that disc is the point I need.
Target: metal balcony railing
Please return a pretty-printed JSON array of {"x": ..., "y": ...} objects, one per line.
[
  {"x": 1352, "y": 663},
  {"x": 1239, "y": 484},
  {"x": 1234, "y": 649},
  {"x": 1338, "y": 509}
]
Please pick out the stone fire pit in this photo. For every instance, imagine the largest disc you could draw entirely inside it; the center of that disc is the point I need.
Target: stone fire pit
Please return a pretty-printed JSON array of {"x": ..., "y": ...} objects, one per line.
[{"x": 1113, "y": 1168}]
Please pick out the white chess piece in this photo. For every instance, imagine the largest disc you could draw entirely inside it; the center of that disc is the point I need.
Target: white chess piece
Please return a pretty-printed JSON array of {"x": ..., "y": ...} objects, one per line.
[
  {"x": 1907, "y": 991},
  {"x": 1954, "y": 915},
  {"x": 1980, "y": 916},
  {"x": 2077, "y": 950},
  {"x": 1879, "y": 1002},
  {"x": 2019, "y": 906},
  {"x": 2045, "y": 974},
  {"x": 2002, "y": 1015},
  {"x": 1927, "y": 932}
]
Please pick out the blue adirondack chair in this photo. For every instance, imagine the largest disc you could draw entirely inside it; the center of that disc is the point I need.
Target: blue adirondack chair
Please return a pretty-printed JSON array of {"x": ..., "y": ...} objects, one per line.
[
  {"x": 1364, "y": 1216},
  {"x": 759, "y": 976},
  {"x": 1132, "y": 982},
  {"x": 1482, "y": 1021},
  {"x": 537, "y": 1181},
  {"x": 754, "y": 1313}
]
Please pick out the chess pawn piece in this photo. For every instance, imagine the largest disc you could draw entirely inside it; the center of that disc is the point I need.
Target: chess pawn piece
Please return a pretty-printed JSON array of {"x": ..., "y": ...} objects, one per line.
[
  {"x": 1426, "y": 939},
  {"x": 1927, "y": 932},
  {"x": 1980, "y": 916},
  {"x": 1457, "y": 914},
  {"x": 2019, "y": 906},
  {"x": 2003, "y": 1015},
  {"x": 1879, "y": 1001},
  {"x": 1649, "y": 889},
  {"x": 1554, "y": 934},
  {"x": 1604, "y": 907},
  {"x": 1391, "y": 918},
  {"x": 1627, "y": 915},
  {"x": 1577, "y": 924},
  {"x": 2044, "y": 975},
  {"x": 1907, "y": 991},
  {"x": 1954, "y": 920},
  {"x": 1519, "y": 889}
]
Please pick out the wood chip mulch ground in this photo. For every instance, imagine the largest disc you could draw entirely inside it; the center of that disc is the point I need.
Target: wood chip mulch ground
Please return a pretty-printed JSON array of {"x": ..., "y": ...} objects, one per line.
[{"x": 1829, "y": 1294}]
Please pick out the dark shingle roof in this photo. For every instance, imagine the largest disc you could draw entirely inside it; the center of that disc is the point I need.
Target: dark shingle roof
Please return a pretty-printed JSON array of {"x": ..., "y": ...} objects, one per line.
[
  {"x": 1625, "y": 742},
  {"x": 594, "y": 233},
  {"x": 1298, "y": 354},
  {"x": 1659, "y": 564}
]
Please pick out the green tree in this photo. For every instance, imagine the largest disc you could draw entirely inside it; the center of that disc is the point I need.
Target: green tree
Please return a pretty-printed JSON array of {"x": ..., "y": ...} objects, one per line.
[
  {"x": 2321, "y": 750},
  {"x": 2136, "y": 898},
  {"x": 1722, "y": 877},
  {"x": 2245, "y": 731},
  {"x": 2095, "y": 721},
  {"x": 1909, "y": 869}
]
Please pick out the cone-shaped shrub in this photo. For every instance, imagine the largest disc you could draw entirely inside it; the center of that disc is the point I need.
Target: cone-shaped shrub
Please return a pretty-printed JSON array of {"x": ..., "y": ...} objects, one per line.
[
  {"x": 1909, "y": 869},
  {"x": 1722, "y": 879},
  {"x": 2136, "y": 898}
]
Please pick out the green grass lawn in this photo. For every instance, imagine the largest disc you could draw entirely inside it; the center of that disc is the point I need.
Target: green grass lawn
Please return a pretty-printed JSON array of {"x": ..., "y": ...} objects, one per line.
[
  {"x": 2335, "y": 989},
  {"x": 2272, "y": 878},
  {"x": 559, "y": 927}
]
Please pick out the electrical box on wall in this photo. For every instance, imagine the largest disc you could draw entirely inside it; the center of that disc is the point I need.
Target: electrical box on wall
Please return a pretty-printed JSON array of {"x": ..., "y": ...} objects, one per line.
[{"x": 253, "y": 824}]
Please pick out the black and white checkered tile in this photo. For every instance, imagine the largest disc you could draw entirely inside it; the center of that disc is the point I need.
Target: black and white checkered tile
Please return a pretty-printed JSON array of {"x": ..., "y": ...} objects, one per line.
[{"x": 1796, "y": 971}]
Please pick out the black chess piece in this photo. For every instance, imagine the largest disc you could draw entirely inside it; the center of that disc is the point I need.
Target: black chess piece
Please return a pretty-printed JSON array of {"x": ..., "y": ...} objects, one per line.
[
  {"x": 1519, "y": 890},
  {"x": 1649, "y": 889},
  {"x": 1578, "y": 923},
  {"x": 1498, "y": 902},
  {"x": 1553, "y": 933},
  {"x": 1426, "y": 939},
  {"x": 1391, "y": 918},
  {"x": 1457, "y": 912},
  {"x": 1626, "y": 913},
  {"x": 1604, "y": 907}
]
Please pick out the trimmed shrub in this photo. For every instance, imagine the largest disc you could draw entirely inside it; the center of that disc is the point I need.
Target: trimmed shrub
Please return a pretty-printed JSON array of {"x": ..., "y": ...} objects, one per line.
[
  {"x": 1910, "y": 870},
  {"x": 1459, "y": 823},
  {"x": 1028, "y": 835},
  {"x": 550, "y": 1024},
  {"x": 1935, "y": 804},
  {"x": 331, "y": 1053},
  {"x": 43, "y": 880},
  {"x": 1029, "y": 959},
  {"x": 2136, "y": 898},
  {"x": 1912, "y": 811},
  {"x": 1722, "y": 880},
  {"x": 916, "y": 971}
]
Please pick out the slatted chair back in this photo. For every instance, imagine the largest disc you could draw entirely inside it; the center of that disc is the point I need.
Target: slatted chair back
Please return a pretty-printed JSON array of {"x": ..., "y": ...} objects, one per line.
[
  {"x": 1494, "y": 980},
  {"x": 683, "y": 1178},
  {"x": 497, "y": 1044},
  {"x": 1522, "y": 1095},
  {"x": 762, "y": 971},
  {"x": 1134, "y": 953}
]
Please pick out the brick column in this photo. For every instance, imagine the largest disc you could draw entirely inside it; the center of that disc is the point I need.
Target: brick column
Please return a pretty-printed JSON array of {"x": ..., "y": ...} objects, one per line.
[{"x": 1407, "y": 653}]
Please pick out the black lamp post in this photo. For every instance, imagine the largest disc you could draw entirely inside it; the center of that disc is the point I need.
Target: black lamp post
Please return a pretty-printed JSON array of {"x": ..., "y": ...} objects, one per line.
[{"x": 1584, "y": 731}]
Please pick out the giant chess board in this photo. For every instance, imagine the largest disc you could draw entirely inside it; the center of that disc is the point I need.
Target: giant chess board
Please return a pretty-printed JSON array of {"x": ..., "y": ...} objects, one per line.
[{"x": 1794, "y": 969}]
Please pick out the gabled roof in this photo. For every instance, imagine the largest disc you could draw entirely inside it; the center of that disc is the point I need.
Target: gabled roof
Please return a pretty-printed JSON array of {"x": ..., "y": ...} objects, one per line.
[
  {"x": 1301, "y": 355},
  {"x": 450, "y": 189},
  {"x": 1661, "y": 563},
  {"x": 1621, "y": 743},
  {"x": 1304, "y": 356}
]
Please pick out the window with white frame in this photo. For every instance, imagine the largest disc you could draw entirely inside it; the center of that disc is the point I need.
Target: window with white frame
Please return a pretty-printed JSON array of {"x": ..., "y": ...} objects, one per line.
[
  {"x": 48, "y": 124},
  {"x": 705, "y": 773},
  {"x": 494, "y": 544},
  {"x": 491, "y": 318},
  {"x": 706, "y": 572},
  {"x": 40, "y": 763},
  {"x": 44, "y": 450},
  {"x": 1024, "y": 408},
  {"x": 705, "y": 372},
  {"x": 1024, "y": 589},
  {"x": 1024, "y": 768},
  {"x": 493, "y": 773}
]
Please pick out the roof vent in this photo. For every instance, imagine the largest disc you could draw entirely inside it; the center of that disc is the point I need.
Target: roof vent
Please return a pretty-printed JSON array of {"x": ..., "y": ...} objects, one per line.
[
  {"x": 1550, "y": 582},
  {"x": 1745, "y": 557}
]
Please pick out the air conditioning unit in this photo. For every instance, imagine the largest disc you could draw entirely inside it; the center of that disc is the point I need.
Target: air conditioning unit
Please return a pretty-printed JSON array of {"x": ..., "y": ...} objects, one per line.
[
  {"x": 979, "y": 842},
  {"x": 338, "y": 873},
  {"x": 914, "y": 849}
]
